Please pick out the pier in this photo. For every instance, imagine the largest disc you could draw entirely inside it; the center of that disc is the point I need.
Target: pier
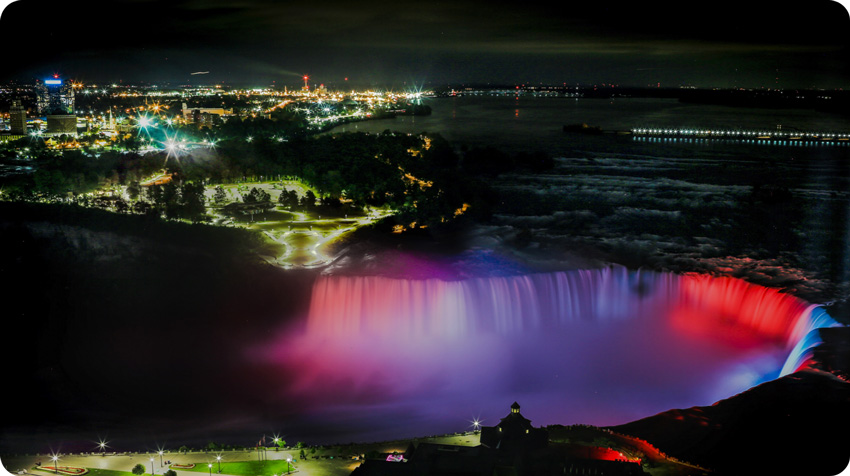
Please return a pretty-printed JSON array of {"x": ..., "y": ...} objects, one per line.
[{"x": 788, "y": 137}]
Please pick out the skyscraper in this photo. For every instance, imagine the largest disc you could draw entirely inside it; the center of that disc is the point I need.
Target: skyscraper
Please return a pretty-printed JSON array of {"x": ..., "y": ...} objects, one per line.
[
  {"x": 55, "y": 96},
  {"x": 18, "y": 118},
  {"x": 56, "y": 102}
]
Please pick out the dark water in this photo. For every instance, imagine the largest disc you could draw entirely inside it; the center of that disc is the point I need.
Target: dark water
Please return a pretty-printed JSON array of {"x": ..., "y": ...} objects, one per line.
[
  {"x": 773, "y": 213},
  {"x": 536, "y": 123}
]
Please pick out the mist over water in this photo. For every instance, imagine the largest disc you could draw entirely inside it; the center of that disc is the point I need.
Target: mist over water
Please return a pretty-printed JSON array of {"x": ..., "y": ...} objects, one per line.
[
  {"x": 771, "y": 215},
  {"x": 602, "y": 347}
]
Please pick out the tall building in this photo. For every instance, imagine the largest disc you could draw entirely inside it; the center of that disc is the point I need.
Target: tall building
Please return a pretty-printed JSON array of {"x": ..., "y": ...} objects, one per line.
[
  {"x": 18, "y": 118},
  {"x": 56, "y": 102},
  {"x": 55, "y": 96}
]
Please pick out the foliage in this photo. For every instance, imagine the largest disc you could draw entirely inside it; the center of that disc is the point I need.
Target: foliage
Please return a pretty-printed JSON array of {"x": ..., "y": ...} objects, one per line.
[
  {"x": 139, "y": 469},
  {"x": 219, "y": 196},
  {"x": 421, "y": 177}
]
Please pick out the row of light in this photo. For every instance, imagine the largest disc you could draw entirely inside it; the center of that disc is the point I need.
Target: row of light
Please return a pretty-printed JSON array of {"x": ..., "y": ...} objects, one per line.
[
  {"x": 754, "y": 141},
  {"x": 746, "y": 133}
]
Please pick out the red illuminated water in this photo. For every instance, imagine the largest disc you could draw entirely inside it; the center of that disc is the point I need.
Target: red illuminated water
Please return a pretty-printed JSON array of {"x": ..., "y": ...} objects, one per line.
[{"x": 600, "y": 347}]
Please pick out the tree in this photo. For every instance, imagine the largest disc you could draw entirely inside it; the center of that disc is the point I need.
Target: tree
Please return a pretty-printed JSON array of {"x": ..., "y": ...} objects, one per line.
[
  {"x": 288, "y": 199},
  {"x": 192, "y": 201},
  {"x": 308, "y": 200},
  {"x": 169, "y": 472},
  {"x": 139, "y": 469},
  {"x": 134, "y": 189},
  {"x": 219, "y": 196},
  {"x": 256, "y": 195}
]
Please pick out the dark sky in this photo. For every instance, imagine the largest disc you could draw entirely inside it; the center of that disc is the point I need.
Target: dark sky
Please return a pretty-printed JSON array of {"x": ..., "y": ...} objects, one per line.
[{"x": 746, "y": 44}]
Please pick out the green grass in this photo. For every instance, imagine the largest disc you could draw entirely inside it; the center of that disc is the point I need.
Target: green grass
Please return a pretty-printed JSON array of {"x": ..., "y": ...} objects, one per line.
[
  {"x": 93, "y": 472},
  {"x": 245, "y": 468}
]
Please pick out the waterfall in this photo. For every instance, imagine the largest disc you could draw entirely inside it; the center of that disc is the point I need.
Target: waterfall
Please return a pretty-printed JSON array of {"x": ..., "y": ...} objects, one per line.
[
  {"x": 401, "y": 308},
  {"x": 599, "y": 346}
]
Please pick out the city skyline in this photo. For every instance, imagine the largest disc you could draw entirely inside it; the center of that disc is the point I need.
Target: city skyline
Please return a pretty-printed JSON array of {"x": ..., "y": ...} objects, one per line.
[{"x": 407, "y": 44}]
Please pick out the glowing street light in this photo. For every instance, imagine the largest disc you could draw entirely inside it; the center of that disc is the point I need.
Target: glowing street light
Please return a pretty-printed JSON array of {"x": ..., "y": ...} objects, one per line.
[
  {"x": 160, "y": 458},
  {"x": 218, "y": 457},
  {"x": 55, "y": 459},
  {"x": 153, "y": 470},
  {"x": 288, "y": 464},
  {"x": 210, "y": 465},
  {"x": 476, "y": 424},
  {"x": 102, "y": 445}
]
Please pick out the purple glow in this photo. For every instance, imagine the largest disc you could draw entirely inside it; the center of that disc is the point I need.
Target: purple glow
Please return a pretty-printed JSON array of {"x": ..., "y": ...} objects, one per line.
[{"x": 599, "y": 347}]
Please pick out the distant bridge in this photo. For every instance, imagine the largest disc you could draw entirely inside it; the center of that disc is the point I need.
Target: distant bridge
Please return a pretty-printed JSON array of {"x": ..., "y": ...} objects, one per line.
[{"x": 756, "y": 136}]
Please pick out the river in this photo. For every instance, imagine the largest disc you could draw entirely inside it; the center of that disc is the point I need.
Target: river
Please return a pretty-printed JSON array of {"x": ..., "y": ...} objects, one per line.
[{"x": 774, "y": 213}]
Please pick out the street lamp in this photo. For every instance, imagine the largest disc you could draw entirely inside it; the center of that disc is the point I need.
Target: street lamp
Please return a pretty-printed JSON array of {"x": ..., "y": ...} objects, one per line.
[
  {"x": 210, "y": 465},
  {"x": 218, "y": 457},
  {"x": 160, "y": 458},
  {"x": 153, "y": 470},
  {"x": 288, "y": 464},
  {"x": 55, "y": 459}
]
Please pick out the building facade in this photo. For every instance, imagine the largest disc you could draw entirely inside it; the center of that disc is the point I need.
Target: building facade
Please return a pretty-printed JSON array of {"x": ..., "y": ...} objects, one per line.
[
  {"x": 17, "y": 118},
  {"x": 56, "y": 102},
  {"x": 55, "y": 96}
]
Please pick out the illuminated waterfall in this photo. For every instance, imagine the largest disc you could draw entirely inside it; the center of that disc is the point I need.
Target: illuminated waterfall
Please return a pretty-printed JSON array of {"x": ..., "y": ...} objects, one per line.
[{"x": 614, "y": 343}]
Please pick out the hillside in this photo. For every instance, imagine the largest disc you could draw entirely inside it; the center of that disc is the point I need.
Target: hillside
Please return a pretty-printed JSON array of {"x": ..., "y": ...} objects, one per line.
[{"x": 793, "y": 425}]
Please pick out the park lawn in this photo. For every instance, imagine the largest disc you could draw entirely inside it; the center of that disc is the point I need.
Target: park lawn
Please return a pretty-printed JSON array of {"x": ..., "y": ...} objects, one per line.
[
  {"x": 245, "y": 468},
  {"x": 92, "y": 472}
]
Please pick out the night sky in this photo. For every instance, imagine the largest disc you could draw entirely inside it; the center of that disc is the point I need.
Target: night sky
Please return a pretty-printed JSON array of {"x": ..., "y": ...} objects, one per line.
[{"x": 407, "y": 43}]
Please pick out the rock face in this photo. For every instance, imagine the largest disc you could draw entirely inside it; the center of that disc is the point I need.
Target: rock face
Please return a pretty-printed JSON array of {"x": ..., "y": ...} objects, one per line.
[{"x": 793, "y": 425}]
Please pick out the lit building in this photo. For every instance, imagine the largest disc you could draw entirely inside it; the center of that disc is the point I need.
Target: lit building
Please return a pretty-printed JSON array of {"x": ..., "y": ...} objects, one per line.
[
  {"x": 55, "y": 97},
  {"x": 17, "y": 118},
  {"x": 202, "y": 114},
  {"x": 56, "y": 102},
  {"x": 62, "y": 124}
]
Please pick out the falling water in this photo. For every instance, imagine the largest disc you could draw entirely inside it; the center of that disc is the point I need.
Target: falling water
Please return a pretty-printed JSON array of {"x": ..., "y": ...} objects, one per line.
[{"x": 601, "y": 346}]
